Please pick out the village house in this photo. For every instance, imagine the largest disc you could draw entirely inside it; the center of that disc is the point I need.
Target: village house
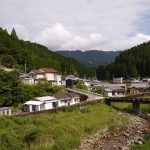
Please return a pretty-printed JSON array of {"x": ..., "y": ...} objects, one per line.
[
  {"x": 114, "y": 91},
  {"x": 124, "y": 86},
  {"x": 142, "y": 86},
  {"x": 71, "y": 81},
  {"x": 146, "y": 80},
  {"x": 118, "y": 80},
  {"x": 5, "y": 111},
  {"x": 108, "y": 92},
  {"x": 40, "y": 103},
  {"x": 43, "y": 74},
  {"x": 67, "y": 99},
  {"x": 50, "y": 102},
  {"x": 134, "y": 90}
]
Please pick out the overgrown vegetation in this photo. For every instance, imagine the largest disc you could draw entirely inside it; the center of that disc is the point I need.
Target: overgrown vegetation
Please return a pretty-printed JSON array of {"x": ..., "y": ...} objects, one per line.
[
  {"x": 39, "y": 89},
  {"x": 99, "y": 89},
  {"x": 63, "y": 130},
  {"x": 82, "y": 86}
]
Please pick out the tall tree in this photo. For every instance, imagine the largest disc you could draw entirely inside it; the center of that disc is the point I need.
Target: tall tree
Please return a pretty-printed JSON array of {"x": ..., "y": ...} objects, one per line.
[
  {"x": 10, "y": 89},
  {"x": 14, "y": 34},
  {"x": 100, "y": 72}
]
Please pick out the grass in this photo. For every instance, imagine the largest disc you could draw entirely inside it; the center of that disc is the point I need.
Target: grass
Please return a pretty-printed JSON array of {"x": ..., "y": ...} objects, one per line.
[
  {"x": 62, "y": 130},
  {"x": 145, "y": 146},
  {"x": 128, "y": 107}
]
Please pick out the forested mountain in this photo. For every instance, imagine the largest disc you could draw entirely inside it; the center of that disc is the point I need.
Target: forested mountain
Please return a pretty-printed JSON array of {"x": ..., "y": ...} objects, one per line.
[
  {"x": 130, "y": 63},
  {"x": 91, "y": 58},
  {"x": 14, "y": 53}
]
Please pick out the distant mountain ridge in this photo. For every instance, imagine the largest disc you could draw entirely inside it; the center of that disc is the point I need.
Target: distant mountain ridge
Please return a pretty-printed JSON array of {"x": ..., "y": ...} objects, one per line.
[{"x": 91, "y": 58}]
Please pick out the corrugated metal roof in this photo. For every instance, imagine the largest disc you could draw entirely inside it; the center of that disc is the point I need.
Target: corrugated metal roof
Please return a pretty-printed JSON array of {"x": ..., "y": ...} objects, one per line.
[
  {"x": 4, "y": 108},
  {"x": 48, "y": 70},
  {"x": 33, "y": 103},
  {"x": 64, "y": 96},
  {"x": 45, "y": 98}
]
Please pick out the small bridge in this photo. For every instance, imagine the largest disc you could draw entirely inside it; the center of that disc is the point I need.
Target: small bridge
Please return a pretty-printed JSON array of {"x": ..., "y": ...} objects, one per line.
[
  {"x": 90, "y": 95},
  {"x": 135, "y": 102}
]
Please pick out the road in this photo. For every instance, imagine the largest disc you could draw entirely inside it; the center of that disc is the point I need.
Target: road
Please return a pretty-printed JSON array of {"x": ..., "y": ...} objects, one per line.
[{"x": 91, "y": 95}]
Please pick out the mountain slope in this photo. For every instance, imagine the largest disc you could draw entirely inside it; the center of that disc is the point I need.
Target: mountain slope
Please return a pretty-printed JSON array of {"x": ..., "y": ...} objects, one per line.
[
  {"x": 92, "y": 57},
  {"x": 14, "y": 53},
  {"x": 130, "y": 63}
]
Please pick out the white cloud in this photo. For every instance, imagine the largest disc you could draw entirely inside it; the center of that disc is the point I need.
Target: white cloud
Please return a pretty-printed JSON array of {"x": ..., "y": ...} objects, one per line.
[
  {"x": 54, "y": 36},
  {"x": 130, "y": 41},
  {"x": 58, "y": 37},
  {"x": 79, "y": 24}
]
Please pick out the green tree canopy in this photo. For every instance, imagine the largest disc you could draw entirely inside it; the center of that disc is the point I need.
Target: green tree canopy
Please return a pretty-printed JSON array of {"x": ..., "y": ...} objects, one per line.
[{"x": 14, "y": 34}]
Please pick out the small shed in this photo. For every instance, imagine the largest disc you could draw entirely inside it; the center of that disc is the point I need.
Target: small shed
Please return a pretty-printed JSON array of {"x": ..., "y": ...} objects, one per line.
[
  {"x": 107, "y": 92},
  {"x": 33, "y": 106},
  {"x": 40, "y": 103},
  {"x": 5, "y": 111},
  {"x": 134, "y": 90}
]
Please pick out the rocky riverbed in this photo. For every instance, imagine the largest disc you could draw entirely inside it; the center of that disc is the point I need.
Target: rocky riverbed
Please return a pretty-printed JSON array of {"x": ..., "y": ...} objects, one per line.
[{"x": 122, "y": 139}]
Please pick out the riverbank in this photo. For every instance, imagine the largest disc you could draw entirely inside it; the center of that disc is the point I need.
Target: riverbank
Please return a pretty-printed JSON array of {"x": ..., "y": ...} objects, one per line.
[{"x": 121, "y": 139}]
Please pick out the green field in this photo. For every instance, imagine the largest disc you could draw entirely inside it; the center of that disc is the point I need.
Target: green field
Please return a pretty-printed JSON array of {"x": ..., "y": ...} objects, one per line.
[{"x": 57, "y": 131}]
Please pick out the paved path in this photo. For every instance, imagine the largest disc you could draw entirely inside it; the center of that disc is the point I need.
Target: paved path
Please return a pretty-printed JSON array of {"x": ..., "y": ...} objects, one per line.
[{"x": 90, "y": 95}]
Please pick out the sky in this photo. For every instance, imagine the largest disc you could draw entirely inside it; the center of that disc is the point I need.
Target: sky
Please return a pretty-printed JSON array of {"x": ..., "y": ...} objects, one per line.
[{"x": 78, "y": 24}]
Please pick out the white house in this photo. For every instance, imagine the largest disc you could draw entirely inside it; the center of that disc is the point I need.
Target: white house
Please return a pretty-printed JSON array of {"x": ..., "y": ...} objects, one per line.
[
  {"x": 5, "y": 111},
  {"x": 50, "y": 102},
  {"x": 26, "y": 79},
  {"x": 67, "y": 99},
  {"x": 40, "y": 103},
  {"x": 146, "y": 80},
  {"x": 43, "y": 74},
  {"x": 118, "y": 80},
  {"x": 108, "y": 92},
  {"x": 114, "y": 91},
  {"x": 141, "y": 85}
]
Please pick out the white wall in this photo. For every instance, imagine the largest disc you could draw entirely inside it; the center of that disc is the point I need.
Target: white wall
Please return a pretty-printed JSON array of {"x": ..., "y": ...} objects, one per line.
[
  {"x": 49, "y": 76},
  {"x": 117, "y": 80},
  {"x": 63, "y": 103},
  {"x": 87, "y": 84},
  {"x": 28, "y": 81},
  {"x": 59, "y": 80},
  {"x": 6, "y": 112},
  {"x": 39, "y": 76},
  {"x": 48, "y": 105},
  {"x": 68, "y": 102},
  {"x": 75, "y": 101},
  {"x": 106, "y": 93}
]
